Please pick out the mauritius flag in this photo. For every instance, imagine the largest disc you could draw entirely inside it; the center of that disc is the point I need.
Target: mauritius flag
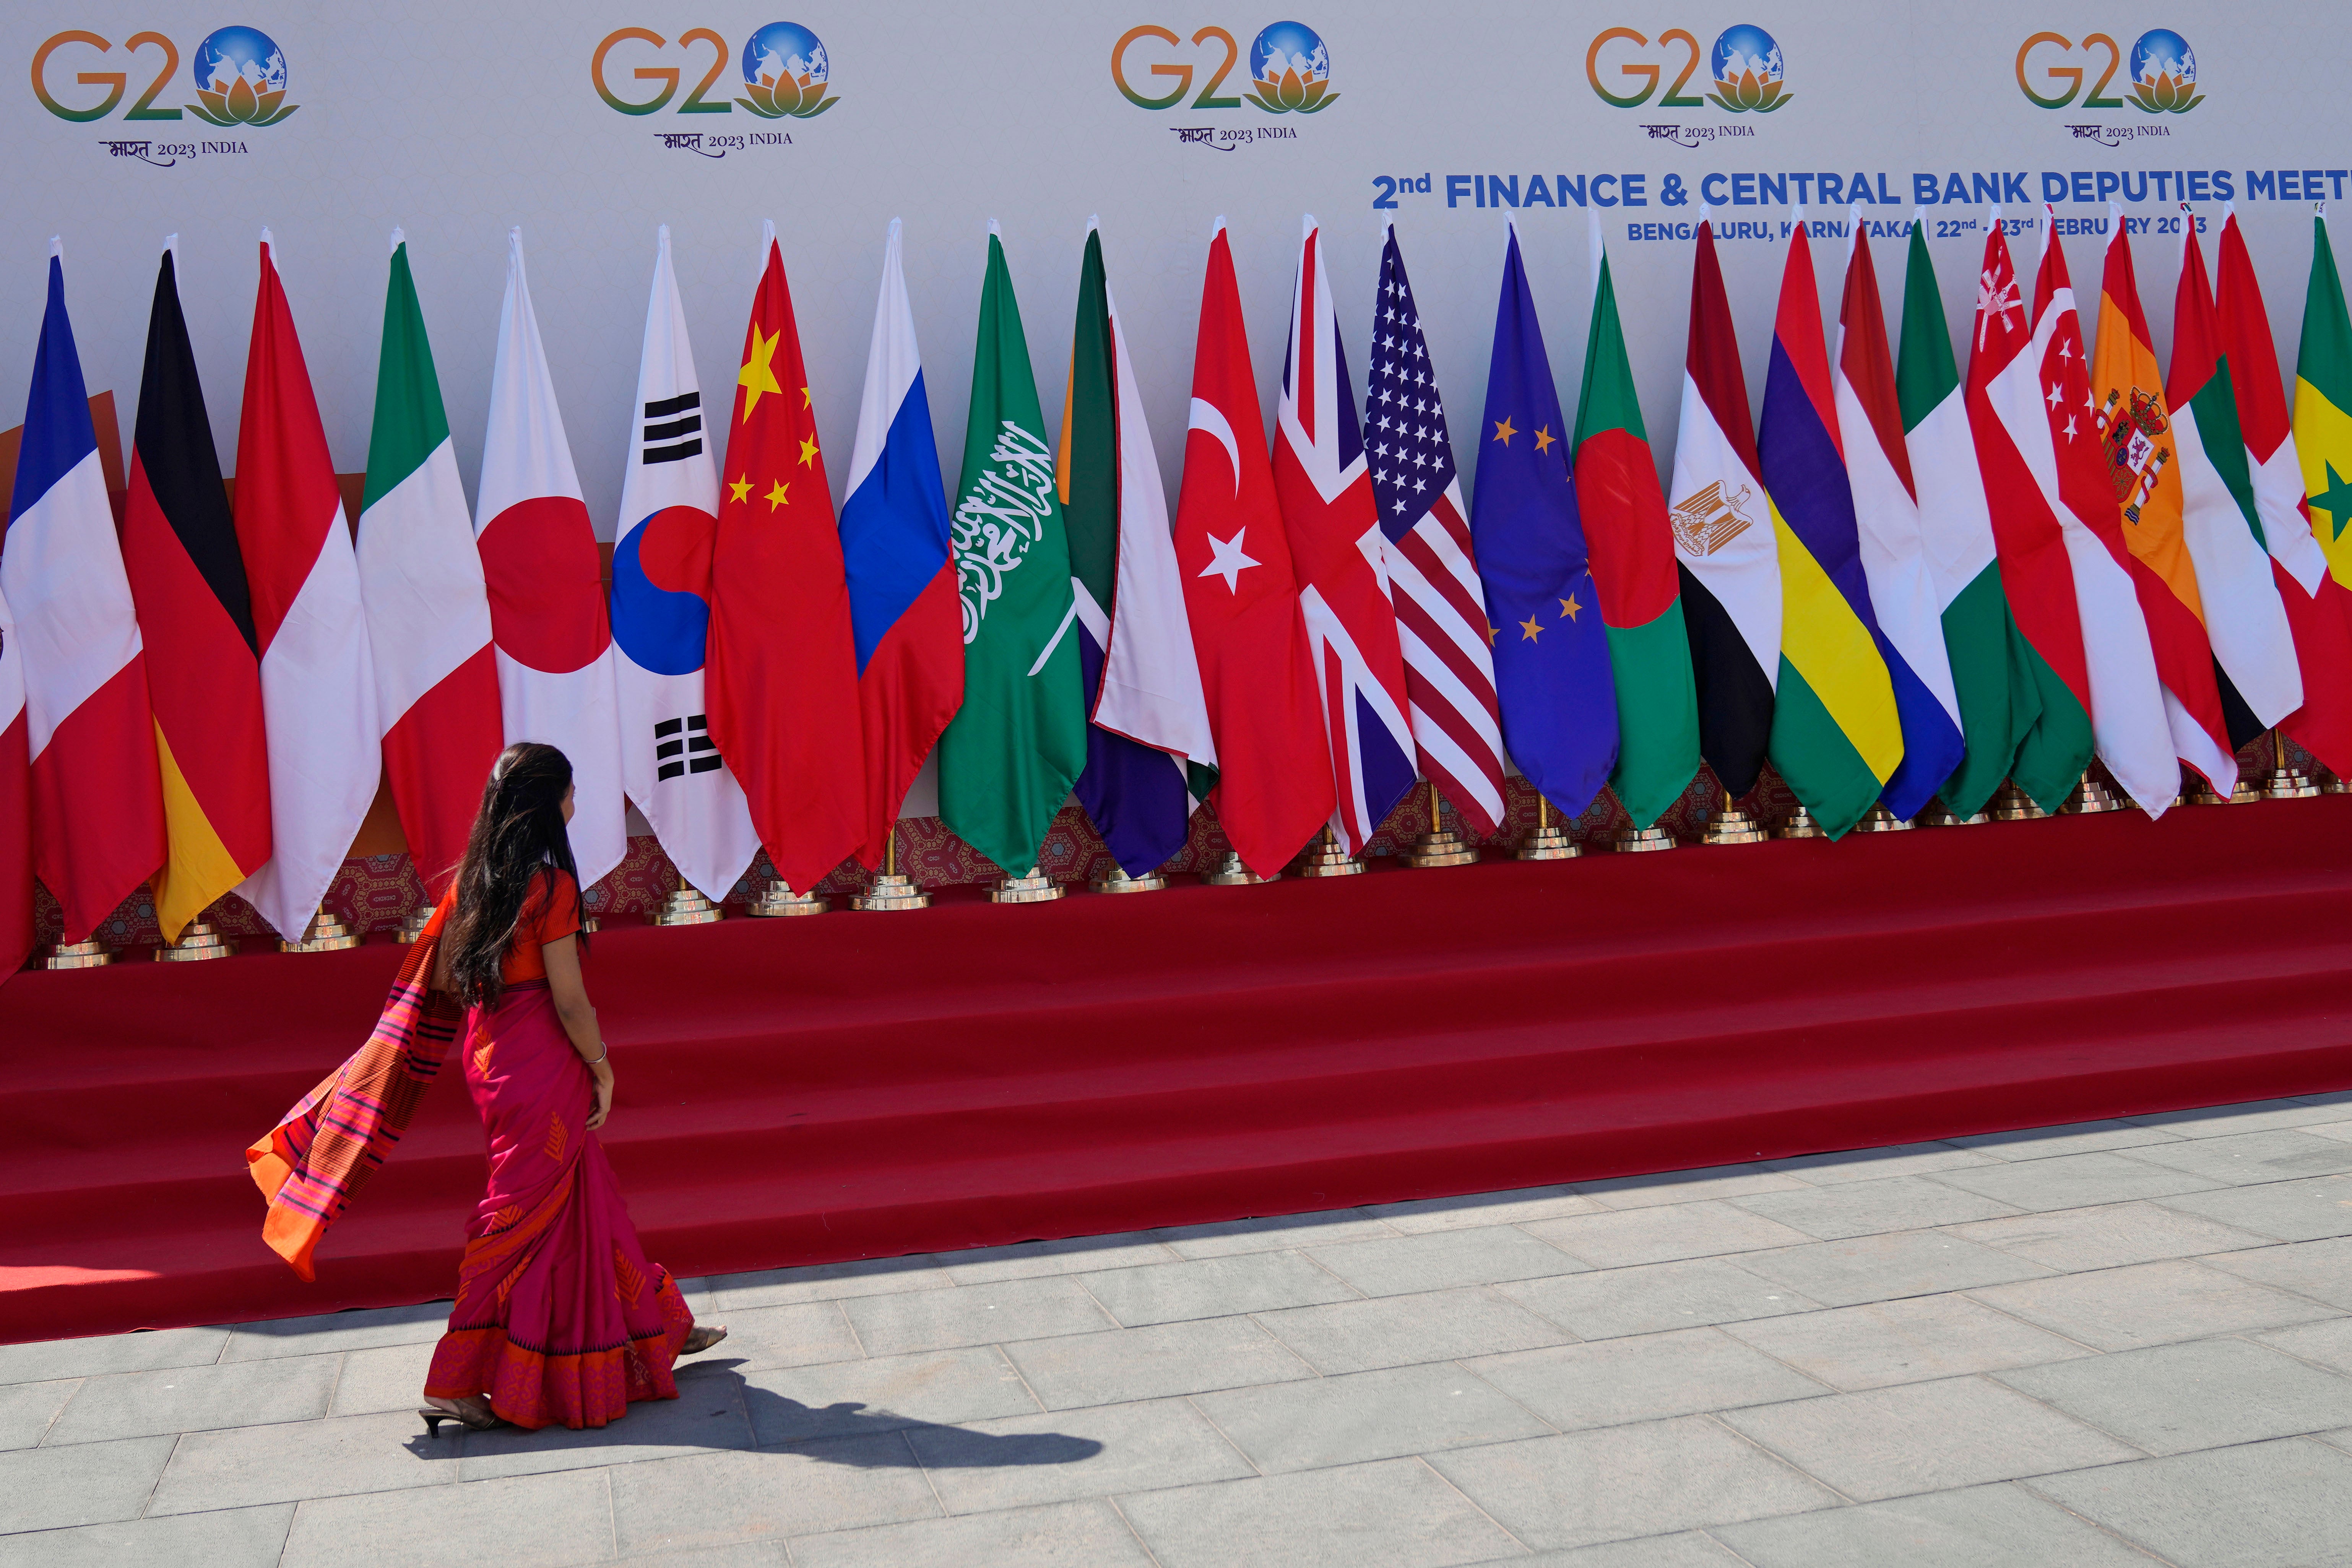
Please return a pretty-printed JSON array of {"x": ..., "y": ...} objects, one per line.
[{"x": 1837, "y": 736}]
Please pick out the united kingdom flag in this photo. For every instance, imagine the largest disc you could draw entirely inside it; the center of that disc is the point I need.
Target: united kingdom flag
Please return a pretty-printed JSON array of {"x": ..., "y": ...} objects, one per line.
[
  {"x": 1340, "y": 553},
  {"x": 1432, "y": 575}
]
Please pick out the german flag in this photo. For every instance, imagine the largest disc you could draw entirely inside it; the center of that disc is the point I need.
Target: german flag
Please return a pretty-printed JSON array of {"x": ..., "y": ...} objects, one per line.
[{"x": 195, "y": 616}]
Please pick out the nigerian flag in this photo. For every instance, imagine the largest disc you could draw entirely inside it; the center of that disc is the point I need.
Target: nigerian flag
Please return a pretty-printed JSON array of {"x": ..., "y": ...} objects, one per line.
[
  {"x": 1632, "y": 545},
  {"x": 1009, "y": 757},
  {"x": 1992, "y": 667}
]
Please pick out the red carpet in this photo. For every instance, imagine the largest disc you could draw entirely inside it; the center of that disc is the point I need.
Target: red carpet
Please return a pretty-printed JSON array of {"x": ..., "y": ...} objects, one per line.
[{"x": 803, "y": 1092}]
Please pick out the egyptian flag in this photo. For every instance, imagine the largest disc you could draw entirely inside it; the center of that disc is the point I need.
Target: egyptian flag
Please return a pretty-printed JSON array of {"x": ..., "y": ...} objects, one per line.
[
  {"x": 16, "y": 805},
  {"x": 195, "y": 614},
  {"x": 428, "y": 611},
  {"x": 2223, "y": 520},
  {"x": 1723, "y": 546},
  {"x": 1241, "y": 594},
  {"x": 2318, "y": 607},
  {"x": 2136, "y": 440},
  {"x": 97, "y": 807}
]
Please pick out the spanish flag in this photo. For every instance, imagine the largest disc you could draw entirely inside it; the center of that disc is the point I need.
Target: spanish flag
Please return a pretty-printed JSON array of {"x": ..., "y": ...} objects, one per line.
[{"x": 195, "y": 613}]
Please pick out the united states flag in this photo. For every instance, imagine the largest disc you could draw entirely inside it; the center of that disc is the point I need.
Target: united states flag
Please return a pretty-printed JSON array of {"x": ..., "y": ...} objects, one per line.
[{"x": 1440, "y": 608}]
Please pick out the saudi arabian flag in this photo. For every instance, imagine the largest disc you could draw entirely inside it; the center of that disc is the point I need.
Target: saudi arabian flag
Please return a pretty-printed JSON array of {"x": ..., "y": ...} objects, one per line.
[
  {"x": 1008, "y": 758},
  {"x": 1632, "y": 545},
  {"x": 2322, "y": 407},
  {"x": 1992, "y": 667}
]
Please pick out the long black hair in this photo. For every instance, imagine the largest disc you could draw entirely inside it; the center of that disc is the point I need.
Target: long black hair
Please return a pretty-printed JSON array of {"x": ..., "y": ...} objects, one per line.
[{"x": 519, "y": 838}]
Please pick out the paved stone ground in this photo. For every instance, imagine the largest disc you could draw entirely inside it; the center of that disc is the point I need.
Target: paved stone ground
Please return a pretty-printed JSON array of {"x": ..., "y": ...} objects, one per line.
[{"x": 2115, "y": 1343}]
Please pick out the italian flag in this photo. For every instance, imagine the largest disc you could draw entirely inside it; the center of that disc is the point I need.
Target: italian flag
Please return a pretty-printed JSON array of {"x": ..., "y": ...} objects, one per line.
[
  {"x": 1995, "y": 673},
  {"x": 1634, "y": 570},
  {"x": 428, "y": 615}
]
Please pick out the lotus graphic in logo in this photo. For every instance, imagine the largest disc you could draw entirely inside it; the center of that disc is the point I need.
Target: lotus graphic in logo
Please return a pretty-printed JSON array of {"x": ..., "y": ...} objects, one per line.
[
  {"x": 240, "y": 78},
  {"x": 786, "y": 72},
  {"x": 2164, "y": 73},
  {"x": 1291, "y": 69},
  {"x": 1748, "y": 73}
]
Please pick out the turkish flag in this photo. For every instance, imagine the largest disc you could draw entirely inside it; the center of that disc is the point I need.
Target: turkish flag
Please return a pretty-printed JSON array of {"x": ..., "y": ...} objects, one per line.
[{"x": 1273, "y": 780}]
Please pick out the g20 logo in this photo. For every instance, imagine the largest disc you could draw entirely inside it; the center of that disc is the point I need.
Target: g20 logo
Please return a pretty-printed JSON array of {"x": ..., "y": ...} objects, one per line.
[
  {"x": 240, "y": 75},
  {"x": 785, "y": 69},
  {"x": 2162, "y": 73},
  {"x": 1289, "y": 69},
  {"x": 1744, "y": 63}
]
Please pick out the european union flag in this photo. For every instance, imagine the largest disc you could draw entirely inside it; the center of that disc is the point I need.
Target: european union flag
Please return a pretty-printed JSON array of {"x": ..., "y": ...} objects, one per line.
[{"x": 1551, "y": 652}]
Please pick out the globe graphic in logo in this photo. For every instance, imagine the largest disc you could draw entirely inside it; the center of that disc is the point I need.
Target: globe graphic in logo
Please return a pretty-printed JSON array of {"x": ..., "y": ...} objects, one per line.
[
  {"x": 240, "y": 75},
  {"x": 1748, "y": 71},
  {"x": 1290, "y": 68},
  {"x": 2164, "y": 73},
  {"x": 786, "y": 69}
]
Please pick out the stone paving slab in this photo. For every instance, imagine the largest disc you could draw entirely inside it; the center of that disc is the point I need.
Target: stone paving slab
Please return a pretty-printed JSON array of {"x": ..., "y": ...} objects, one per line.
[{"x": 2113, "y": 1342}]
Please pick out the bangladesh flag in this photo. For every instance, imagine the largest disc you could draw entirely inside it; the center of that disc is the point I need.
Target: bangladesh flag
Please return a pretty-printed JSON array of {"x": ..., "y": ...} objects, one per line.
[
  {"x": 1008, "y": 758},
  {"x": 1634, "y": 573},
  {"x": 1993, "y": 670}
]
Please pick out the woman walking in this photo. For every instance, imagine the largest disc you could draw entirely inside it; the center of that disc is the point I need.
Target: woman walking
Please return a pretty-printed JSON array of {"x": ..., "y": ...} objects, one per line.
[{"x": 559, "y": 1317}]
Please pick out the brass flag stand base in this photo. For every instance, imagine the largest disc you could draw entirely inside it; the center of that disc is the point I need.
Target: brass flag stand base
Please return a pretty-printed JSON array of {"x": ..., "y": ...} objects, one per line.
[
  {"x": 1035, "y": 887},
  {"x": 2285, "y": 783},
  {"x": 90, "y": 954},
  {"x": 2195, "y": 791},
  {"x": 1878, "y": 819},
  {"x": 200, "y": 940},
  {"x": 413, "y": 928},
  {"x": 325, "y": 933},
  {"x": 1440, "y": 845},
  {"x": 2090, "y": 798},
  {"x": 1939, "y": 815},
  {"x": 2013, "y": 805},
  {"x": 1322, "y": 857},
  {"x": 1548, "y": 841},
  {"x": 1643, "y": 841},
  {"x": 1733, "y": 825},
  {"x": 1232, "y": 872},
  {"x": 1116, "y": 881},
  {"x": 779, "y": 901},
  {"x": 889, "y": 891},
  {"x": 2244, "y": 792},
  {"x": 1802, "y": 824},
  {"x": 686, "y": 907},
  {"x": 2330, "y": 784}
]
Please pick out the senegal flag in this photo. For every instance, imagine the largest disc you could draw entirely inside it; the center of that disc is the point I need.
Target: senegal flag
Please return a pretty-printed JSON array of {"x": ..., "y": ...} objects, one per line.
[
  {"x": 1009, "y": 757},
  {"x": 1633, "y": 571},
  {"x": 2323, "y": 406}
]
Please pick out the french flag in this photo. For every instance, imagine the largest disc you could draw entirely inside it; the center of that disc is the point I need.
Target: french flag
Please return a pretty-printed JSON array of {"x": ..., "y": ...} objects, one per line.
[
  {"x": 97, "y": 787},
  {"x": 904, "y": 612},
  {"x": 16, "y": 805}
]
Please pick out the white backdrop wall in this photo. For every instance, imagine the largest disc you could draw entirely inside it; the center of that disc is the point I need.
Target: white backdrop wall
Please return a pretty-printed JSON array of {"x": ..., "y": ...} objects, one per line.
[{"x": 459, "y": 120}]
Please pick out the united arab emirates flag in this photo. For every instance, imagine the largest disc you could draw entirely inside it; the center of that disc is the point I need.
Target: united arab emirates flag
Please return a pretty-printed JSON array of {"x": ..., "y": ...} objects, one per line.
[
  {"x": 1633, "y": 572},
  {"x": 1008, "y": 758},
  {"x": 1992, "y": 667}
]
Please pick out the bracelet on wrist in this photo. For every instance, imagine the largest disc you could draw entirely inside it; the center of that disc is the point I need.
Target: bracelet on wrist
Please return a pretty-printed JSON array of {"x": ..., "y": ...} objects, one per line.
[{"x": 598, "y": 1059}]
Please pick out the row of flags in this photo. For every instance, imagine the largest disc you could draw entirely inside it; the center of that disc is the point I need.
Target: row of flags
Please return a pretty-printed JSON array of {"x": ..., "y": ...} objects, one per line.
[{"x": 1900, "y": 582}]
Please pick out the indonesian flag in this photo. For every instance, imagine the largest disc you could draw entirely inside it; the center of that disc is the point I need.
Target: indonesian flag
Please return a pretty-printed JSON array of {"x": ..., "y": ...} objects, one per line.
[
  {"x": 318, "y": 682},
  {"x": 16, "y": 805},
  {"x": 783, "y": 655},
  {"x": 1325, "y": 490},
  {"x": 97, "y": 807},
  {"x": 546, "y": 585},
  {"x": 2318, "y": 605},
  {"x": 2136, "y": 442},
  {"x": 1274, "y": 766},
  {"x": 2243, "y": 615},
  {"x": 428, "y": 612}
]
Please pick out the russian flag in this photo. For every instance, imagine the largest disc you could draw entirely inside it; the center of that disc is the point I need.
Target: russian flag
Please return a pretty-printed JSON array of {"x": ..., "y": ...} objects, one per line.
[{"x": 904, "y": 614}]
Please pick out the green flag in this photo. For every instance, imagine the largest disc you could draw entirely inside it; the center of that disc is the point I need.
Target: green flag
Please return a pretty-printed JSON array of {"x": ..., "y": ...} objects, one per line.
[
  {"x": 1009, "y": 757},
  {"x": 1994, "y": 669}
]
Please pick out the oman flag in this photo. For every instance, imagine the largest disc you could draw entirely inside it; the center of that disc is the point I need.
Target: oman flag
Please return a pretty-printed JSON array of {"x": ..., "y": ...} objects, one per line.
[
  {"x": 16, "y": 805},
  {"x": 1635, "y": 576},
  {"x": 1241, "y": 593},
  {"x": 546, "y": 585},
  {"x": 428, "y": 612},
  {"x": 2136, "y": 441},
  {"x": 2221, "y": 519},
  {"x": 318, "y": 682},
  {"x": 2318, "y": 607},
  {"x": 195, "y": 616},
  {"x": 2019, "y": 467},
  {"x": 783, "y": 660},
  {"x": 97, "y": 807}
]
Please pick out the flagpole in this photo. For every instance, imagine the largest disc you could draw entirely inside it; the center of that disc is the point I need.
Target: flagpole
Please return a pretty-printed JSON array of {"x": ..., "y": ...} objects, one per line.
[
  {"x": 1548, "y": 842},
  {"x": 1438, "y": 846},
  {"x": 889, "y": 891},
  {"x": 2284, "y": 783}
]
